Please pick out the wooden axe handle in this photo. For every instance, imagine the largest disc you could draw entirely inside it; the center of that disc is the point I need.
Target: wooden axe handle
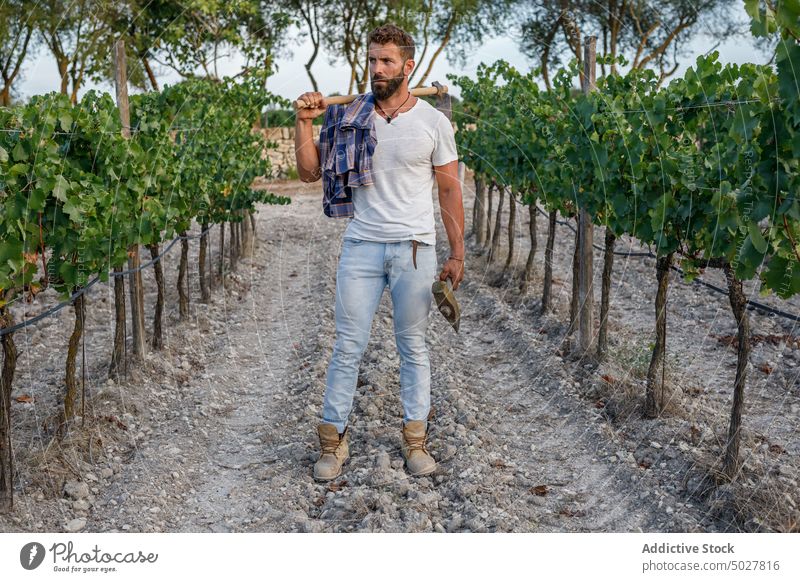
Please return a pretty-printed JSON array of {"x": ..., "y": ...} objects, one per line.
[{"x": 344, "y": 99}]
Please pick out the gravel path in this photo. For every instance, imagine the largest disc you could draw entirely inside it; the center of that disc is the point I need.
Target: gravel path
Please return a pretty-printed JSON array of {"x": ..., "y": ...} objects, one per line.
[{"x": 218, "y": 432}]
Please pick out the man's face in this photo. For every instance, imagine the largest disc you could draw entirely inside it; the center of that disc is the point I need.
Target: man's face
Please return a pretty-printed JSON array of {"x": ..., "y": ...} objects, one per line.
[{"x": 387, "y": 69}]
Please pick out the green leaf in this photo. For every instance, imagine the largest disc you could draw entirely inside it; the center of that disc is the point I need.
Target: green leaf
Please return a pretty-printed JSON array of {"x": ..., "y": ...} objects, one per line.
[
  {"x": 65, "y": 119},
  {"x": 3, "y": 155},
  {"x": 73, "y": 211},
  {"x": 757, "y": 238},
  {"x": 782, "y": 276},
  {"x": 749, "y": 259},
  {"x": 18, "y": 153},
  {"x": 10, "y": 249},
  {"x": 18, "y": 170},
  {"x": 751, "y": 6},
  {"x": 60, "y": 188},
  {"x": 36, "y": 199},
  {"x": 68, "y": 272}
]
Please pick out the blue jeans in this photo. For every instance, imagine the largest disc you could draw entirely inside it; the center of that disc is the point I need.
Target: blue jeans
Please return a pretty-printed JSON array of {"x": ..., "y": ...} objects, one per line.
[{"x": 365, "y": 269}]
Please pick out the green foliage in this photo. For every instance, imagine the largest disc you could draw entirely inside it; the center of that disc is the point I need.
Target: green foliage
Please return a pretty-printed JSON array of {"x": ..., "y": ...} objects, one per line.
[
  {"x": 75, "y": 194},
  {"x": 774, "y": 16},
  {"x": 705, "y": 166},
  {"x": 776, "y": 172}
]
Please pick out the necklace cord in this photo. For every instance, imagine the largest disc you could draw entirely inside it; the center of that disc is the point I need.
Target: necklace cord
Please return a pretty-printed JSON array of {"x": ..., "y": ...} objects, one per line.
[{"x": 389, "y": 117}]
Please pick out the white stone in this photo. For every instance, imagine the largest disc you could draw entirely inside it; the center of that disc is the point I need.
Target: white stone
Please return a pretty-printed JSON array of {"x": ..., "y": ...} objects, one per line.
[{"x": 75, "y": 525}]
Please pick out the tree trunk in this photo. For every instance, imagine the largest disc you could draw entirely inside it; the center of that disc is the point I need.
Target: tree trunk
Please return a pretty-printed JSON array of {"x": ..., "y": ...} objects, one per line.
[
  {"x": 528, "y": 275},
  {"x": 64, "y": 74},
  {"x": 235, "y": 239},
  {"x": 547, "y": 292},
  {"x": 474, "y": 229},
  {"x": 150, "y": 75},
  {"x": 118, "y": 363},
  {"x": 497, "y": 225},
  {"x": 311, "y": 76},
  {"x": 490, "y": 195},
  {"x": 73, "y": 96},
  {"x": 221, "y": 257},
  {"x": 201, "y": 264},
  {"x": 6, "y": 383},
  {"x": 158, "y": 316},
  {"x": 656, "y": 389},
  {"x": 183, "y": 267},
  {"x": 5, "y": 95},
  {"x": 479, "y": 210},
  {"x": 72, "y": 350},
  {"x": 608, "y": 266},
  {"x": 188, "y": 285},
  {"x": 232, "y": 248},
  {"x": 730, "y": 466},
  {"x": 512, "y": 218},
  {"x": 573, "y": 304}
]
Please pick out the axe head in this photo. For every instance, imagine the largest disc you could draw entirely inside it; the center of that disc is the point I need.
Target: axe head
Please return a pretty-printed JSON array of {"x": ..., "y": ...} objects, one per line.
[
  {"x": 443, "y": 102},
  {"x": 446, "y": 303}
]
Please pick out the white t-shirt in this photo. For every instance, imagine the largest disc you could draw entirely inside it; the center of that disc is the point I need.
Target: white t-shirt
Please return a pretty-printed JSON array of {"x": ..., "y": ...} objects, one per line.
[{"x": 398, "y": 205}]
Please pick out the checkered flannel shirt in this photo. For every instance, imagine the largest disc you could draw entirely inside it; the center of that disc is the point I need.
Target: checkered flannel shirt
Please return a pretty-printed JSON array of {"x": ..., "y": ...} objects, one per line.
[{"x": 346, "y": 145}]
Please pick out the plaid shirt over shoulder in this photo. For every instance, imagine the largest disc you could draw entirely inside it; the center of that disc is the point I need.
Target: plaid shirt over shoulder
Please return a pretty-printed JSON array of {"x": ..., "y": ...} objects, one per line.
[{"x": 346, "y": 145}]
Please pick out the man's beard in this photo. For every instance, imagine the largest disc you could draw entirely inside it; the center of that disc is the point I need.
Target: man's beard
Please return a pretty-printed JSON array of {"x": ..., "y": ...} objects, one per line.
[{"x": 383, "y": 91}]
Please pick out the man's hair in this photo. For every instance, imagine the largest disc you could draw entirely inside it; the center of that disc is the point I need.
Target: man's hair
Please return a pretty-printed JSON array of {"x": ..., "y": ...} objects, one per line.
[{"x": 390, "y": 33}]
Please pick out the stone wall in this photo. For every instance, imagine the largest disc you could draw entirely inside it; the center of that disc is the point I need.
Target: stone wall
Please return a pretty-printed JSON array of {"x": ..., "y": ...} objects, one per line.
[{"x": 282, "y": 158}]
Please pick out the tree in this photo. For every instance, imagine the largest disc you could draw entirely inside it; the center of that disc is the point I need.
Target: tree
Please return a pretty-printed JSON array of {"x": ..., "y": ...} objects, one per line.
[
  {"x": 346, "y": 24},
  {"x": 18, "y": 21},
  {"x": 309, "y": 23},
  {"x": 648, "y": 34},
  {"x": 196, "y": 34},
  {"x": 436, "y": 26},
  {"x": 143, "y": 24},
  {"x": 79, "y": 35},
  {"x": 455, "y": 28},
  {"x": 265, "y": 34}
]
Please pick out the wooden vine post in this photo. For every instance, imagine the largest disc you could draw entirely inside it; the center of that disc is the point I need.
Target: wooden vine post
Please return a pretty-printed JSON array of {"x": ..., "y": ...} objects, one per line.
[
  {"x": 586, "y": 229},
  {"x": 135, "y": 277}
]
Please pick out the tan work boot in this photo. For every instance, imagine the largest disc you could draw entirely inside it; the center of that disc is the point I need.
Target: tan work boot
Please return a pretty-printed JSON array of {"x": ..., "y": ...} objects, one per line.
[
  {"x": 418, "y": 460},
  {"x": 335, "y": 452}
]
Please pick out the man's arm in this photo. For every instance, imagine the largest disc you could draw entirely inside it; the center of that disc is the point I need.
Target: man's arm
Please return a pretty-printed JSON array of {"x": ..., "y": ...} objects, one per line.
[
  {"x": 306, "y": 152},
  {"x": 452, "y": 209}
]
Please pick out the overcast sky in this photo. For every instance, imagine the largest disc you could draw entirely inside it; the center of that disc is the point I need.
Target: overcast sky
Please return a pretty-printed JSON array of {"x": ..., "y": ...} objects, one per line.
[{"x": 41, "y": 76}]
